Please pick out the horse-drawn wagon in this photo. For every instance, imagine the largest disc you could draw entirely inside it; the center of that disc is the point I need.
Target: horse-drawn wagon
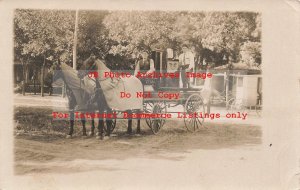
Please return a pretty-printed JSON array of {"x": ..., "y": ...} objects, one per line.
[
  {"x": 192, "y": 99},
  {"x": 164, "y": 93}
]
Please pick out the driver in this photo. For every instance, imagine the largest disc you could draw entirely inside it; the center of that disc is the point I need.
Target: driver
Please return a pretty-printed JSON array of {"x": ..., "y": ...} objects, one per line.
[{"x": 186, "y": 62}]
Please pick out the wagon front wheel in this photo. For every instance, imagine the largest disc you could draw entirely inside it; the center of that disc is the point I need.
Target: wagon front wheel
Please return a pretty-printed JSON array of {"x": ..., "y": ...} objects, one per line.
[
  {"x": 193, "y": 106},
  {"x": 156, "y": 124}
]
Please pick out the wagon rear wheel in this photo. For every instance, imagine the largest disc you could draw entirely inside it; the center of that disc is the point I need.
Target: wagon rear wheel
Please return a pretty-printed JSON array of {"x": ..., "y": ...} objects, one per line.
[
  {"x": 237, "y": 105},
  {"x": 148, "y": 107},
  {"x": 194, "y": 105},
  {"x": 229, "y": 103}
]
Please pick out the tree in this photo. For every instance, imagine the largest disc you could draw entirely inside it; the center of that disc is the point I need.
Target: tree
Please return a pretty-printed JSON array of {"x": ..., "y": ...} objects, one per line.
[
  {"x": 220, "y": 32},
  {"x": 227, "y": 31},
  {"x": 42, "y": 36},
  {"x": 251, "y": 53},
  {"x": 135, "y": 31},
  {"x": 20, "y": 40},
  {"x": 256, "y": 34},
  {"x": 92, "y": 33},
  {"x": 189, "y": 28}
]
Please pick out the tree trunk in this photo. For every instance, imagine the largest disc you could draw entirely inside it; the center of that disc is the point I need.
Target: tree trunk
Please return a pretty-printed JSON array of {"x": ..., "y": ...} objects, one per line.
[
  {"x": 226, "y": 78},
  {"x": 23, "y": 81},
  {"x": 34, "y": 81},
  {"x": 26, "y": 74},
  {"x": 75, "y": 41},
  {"x": 42, "y": 77}
]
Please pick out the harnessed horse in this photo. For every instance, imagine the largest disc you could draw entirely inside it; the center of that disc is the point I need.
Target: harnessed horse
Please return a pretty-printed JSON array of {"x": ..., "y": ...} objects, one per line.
[
  {"x": 73, "y": 90},
  {"x": 110, "y": 88}
]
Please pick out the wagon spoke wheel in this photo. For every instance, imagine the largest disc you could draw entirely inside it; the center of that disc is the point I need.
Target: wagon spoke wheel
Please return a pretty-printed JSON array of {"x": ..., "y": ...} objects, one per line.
[
  {"x": 194, "y": 105},
  {"x": 156, "y": 124},
  {"x": 229, "y": 103},
  {"x": 148, "y": 107},
  {"x": 237, "y": 105}
]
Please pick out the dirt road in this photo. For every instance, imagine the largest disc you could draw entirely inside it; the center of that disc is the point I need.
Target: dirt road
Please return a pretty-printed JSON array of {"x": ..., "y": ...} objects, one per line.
[
  {"x": 221, "y": 155},
  {"x": 227, "y": 153}
]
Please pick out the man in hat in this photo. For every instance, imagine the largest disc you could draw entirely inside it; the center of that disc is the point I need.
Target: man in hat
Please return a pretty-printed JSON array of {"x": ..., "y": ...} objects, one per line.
[
  {"x": 144, "y": 64},
  {"x": 186, "y": 62}
]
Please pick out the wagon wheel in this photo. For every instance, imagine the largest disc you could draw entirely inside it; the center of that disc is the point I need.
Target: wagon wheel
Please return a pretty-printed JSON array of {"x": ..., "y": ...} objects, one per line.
[
  {"x": 194, "y": 104},
  {"x": 229, "y": 103},
  {"x": 148, "y": 107},
  {"x": 237, "y": 106},
  {"x": 156, "y": 124}
]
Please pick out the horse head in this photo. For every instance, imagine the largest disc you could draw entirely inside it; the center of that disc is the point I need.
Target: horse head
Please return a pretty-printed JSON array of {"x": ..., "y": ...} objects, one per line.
[
  {"x": 57, "y": 72},
  {"x": 93, "y": 64},
  {"x": 87, "y": 66}
]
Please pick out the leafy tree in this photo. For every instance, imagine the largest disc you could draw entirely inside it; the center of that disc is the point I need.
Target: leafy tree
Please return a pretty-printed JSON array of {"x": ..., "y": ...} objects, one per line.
[
  {"x": 92, "y": 33},
  {"x": 220, "y": 32},
  {"x": 42, "y": 36},
  {"x": 226, "y": 31},
  {"x": 188, "y": 28},
  {"x": 217, "y": 36},
  {"x": 135, "y": 31},
  {"x": 256, "y": 34},
  {"x": 251, "y": 53}
]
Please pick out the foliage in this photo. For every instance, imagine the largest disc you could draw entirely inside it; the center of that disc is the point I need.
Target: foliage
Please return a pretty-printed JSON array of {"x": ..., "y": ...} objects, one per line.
[
  {"x": 43, "y": 33},
  {"x": 225, "y": 31},
  {"x": 135, "y": 31},
  {"x": 221, "y": 32},
  {"x": 44, "y": 36},
  {"x": 188, "y": 28},
  {"x": 251, "y": 53},
  {"x": 92, "y": 33}
]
